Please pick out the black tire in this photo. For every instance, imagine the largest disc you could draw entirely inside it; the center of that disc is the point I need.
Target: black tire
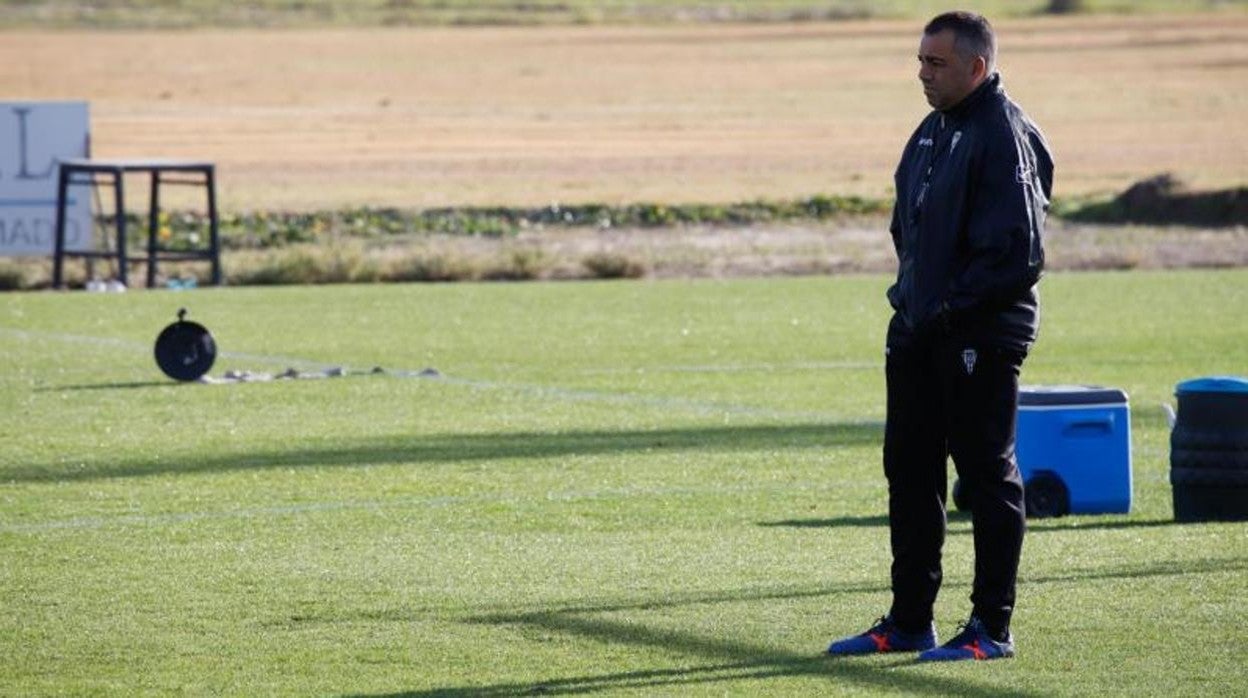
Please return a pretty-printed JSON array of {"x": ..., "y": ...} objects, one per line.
[
  {"x": 1209, "y": 477},
  {"x": 1194, "y": 439},
  {"x": 1200, "y": 503},
  {"x": 1183, "y": 458},
  {"x": 1207, "y": 414},
  {"x": 1209, "y": 456},
  {"x": 1045, "y": 496}
]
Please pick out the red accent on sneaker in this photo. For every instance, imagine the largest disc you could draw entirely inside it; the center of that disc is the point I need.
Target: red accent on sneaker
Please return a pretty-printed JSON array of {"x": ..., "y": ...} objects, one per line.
[
  {"x": 975, "y": 650},
  {"x": 881, "y": 642}
]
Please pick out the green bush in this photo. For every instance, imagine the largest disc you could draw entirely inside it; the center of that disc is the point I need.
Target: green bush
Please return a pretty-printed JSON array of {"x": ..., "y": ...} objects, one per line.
[
  {"x": 613, "y": 265},
  {"x": 429, "y": 266},
  {"x": 1064, "y": 7},
  {"x": 305, "y": 264},
  {"x": 519, "y": 264},
  {"x": 267, "y": 229},
  {"x": 12, "y": 277}
]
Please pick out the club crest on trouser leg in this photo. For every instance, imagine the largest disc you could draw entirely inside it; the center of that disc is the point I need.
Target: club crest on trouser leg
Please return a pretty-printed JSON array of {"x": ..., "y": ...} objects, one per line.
[{"x": 968, "y": 360}]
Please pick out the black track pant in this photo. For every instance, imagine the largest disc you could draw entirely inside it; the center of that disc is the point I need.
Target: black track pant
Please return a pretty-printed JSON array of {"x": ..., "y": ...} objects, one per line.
[{"x": 950, "y": 398}]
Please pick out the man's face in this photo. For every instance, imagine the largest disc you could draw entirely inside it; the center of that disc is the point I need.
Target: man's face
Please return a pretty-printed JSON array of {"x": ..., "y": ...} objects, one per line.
[{"x": 947, "y": 77}]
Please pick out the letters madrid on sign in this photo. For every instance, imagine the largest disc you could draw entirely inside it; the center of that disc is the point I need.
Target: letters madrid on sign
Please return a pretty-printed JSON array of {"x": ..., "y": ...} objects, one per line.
[{"x": 34, "y": 137}]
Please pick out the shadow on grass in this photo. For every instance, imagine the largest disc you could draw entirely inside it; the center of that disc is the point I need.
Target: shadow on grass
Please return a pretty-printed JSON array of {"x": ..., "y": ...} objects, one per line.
[
  {"x": 745, "y": 662},
  {"x": 456, "y": 448},
  {"x": 1164, "y": 568},
  {"x": 656, "y": 678},
  {"x": 1073, "y": 523},
  {"x": 679, "y": 600},
  {"x": 837, "y": 522},
  {"x": 728, "y": 660},
  {"x": 1033, "y": 525},
  {"x": 111, "y": 386},
  {"x": 670, "y": 600},
  {"x": 880, "y": 520}
]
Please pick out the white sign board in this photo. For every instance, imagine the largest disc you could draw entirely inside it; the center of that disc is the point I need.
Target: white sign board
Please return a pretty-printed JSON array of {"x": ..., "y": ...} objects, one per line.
[{"x": 34, "y": 137}]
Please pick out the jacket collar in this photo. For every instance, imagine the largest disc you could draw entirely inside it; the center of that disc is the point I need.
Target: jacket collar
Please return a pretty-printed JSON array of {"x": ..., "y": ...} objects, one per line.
[{"x": 959, "y": 111}]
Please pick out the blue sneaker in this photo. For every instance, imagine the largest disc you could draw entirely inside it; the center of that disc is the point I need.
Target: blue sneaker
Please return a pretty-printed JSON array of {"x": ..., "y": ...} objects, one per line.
[
  {"x": 973, "y": 642},
  {"x": 884, "y": 637}
]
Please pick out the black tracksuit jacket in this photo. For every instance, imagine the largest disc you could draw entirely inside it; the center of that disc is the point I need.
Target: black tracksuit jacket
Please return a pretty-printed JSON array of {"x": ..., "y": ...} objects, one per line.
[{"x": 973, "y": 190}]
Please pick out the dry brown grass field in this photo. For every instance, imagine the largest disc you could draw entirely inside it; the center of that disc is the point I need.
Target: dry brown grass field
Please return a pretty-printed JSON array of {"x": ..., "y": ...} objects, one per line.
[{"x": 527, "y": 116}]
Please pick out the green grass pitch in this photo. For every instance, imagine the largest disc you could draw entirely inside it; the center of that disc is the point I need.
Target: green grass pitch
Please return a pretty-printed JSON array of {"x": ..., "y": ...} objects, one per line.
[{"x": 614, "y": 488}]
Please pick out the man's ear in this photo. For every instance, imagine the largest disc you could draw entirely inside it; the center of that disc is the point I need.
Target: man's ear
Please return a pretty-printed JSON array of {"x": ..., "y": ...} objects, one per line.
[{"x": 979, "y": 69}]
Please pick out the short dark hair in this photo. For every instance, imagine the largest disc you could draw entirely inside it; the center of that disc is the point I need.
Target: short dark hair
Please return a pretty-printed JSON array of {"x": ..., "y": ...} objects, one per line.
[{"x": 972, "y": 35}]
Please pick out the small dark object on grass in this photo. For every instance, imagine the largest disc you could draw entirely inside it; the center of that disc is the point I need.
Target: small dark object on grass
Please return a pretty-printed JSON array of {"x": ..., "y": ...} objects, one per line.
[{"x": 185, "y": 350}]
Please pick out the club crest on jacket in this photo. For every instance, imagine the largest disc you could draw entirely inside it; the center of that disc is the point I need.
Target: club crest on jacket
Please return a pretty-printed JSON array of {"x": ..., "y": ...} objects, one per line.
[{"x": 968, "y": 360}]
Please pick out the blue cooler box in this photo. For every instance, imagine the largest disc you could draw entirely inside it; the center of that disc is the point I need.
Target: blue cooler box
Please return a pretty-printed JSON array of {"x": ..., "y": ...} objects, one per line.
[{"x": 1074, "y": 449}]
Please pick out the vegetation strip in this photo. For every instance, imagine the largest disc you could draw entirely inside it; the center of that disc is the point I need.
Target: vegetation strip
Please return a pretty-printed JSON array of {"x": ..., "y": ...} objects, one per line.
[
  {"x": 1158, "y": 200},
  {"x": 842, "y": 234},
  {"x": 262, "y": 229}
]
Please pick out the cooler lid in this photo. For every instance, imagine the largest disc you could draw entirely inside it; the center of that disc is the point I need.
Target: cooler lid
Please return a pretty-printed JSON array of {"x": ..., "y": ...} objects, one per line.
[
  {"x": 1213, "y": 384},
  {"x": 1070, "y": 395}
]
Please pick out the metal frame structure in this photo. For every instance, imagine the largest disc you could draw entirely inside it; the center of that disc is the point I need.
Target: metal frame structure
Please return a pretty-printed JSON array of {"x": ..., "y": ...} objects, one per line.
[{"x": 86, "y": 171}]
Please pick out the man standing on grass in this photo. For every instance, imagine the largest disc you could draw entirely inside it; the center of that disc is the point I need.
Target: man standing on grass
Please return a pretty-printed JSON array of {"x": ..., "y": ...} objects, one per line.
[{"x": 973, "y": 188}]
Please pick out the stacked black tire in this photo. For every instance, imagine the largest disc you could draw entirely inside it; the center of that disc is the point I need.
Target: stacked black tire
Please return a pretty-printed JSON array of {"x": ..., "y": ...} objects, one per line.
[{"x": 1209, "y": 450}]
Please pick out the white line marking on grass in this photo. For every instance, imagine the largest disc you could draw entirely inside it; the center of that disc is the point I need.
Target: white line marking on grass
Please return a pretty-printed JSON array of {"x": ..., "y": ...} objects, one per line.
[
  {"x": 130, "y": 345},
  {"x": 544, "y": 391},
  {"x": 72, "y": 338}
]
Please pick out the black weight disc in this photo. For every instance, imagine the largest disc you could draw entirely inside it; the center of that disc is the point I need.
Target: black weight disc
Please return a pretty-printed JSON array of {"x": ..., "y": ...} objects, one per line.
[{"x": 185, "y": 351}]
